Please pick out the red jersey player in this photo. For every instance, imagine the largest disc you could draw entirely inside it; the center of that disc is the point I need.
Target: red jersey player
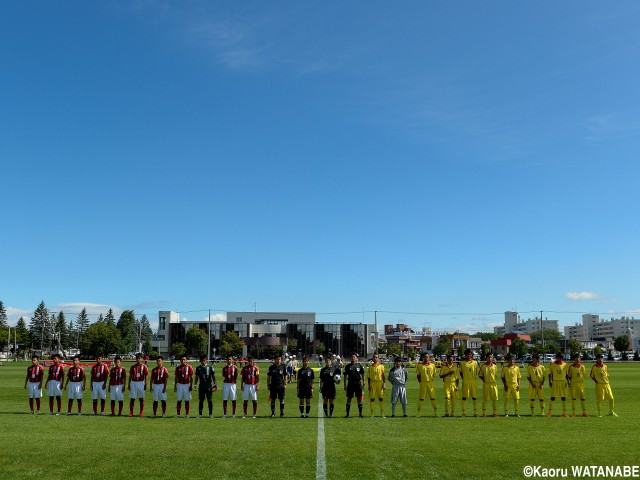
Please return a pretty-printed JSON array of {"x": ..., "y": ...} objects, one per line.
[
  {"x": 230, "y": 377},
  {"x": 183, "y": 385},
  {"x": 76, "y": 383},
  {"x": 138, "y": 374},
  {"x": 55, "y": 381},
  {"x": 250, "y": 383},
  {"x": 98, "y": 385},
  {"x": 35, "y": 375},
  {"x": 117, "y": 377},
  {"x": 159, "y": 378}
]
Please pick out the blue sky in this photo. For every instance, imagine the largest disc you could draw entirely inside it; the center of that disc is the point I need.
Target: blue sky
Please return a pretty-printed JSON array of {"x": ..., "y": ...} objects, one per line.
[{"x": 458, "y": 159}]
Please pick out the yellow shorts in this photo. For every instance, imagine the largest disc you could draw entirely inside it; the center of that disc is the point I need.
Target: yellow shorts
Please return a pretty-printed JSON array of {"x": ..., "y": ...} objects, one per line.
[
  {"x": 470, "y": 389},
  {"x": 512, "y": 392},
  {"x": 375, "y": 390},
  {"x": 536, "y": 392},
  {"x": 603, "y": 390},
  {"x": 559, "y": 389},
  {"x": 427, "y": 390},
  {"x": 577, "y": 391},
  {"x": 490, "y": 391},
  {"x": 450, "y": 391}
]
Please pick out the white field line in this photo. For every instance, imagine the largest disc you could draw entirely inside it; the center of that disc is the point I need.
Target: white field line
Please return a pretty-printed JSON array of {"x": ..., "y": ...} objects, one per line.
[{"x": 321, "y": 459}]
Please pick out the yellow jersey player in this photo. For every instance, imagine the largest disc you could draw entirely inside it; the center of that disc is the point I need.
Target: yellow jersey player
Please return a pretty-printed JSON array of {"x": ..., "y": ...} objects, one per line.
[
  {"x": 376, "y": 381},
  {"x": 469, "y": 369},
  {"x": 558, "y": 383},
  {"x": 450, "y": 376},
  {"x": 600, "y": 375},
  {"x": 489, "y": 376},
  {"x": 511, "y": 381},
  {"x": 426, "y": 375},
  {"x": 535, "y": 375},
  {"x": 576, "y": 373}
]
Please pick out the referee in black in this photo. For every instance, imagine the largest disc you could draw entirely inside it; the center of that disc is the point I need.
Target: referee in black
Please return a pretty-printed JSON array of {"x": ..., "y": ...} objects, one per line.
[
  {"x": 328, "y": 387},
  {"x": 354, "y": 383},
  {"x": 206, "y": 375},
  {"x": 304, "y": 381},
  {"x": 277, "y": 380}
]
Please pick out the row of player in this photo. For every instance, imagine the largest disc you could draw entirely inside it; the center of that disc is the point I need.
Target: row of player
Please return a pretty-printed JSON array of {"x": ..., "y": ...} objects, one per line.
[{"x": 563, "y": 379}]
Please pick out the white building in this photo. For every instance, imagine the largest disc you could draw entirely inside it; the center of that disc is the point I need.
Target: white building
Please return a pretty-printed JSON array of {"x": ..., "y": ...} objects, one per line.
[
  {"x": 593, "y": 327},
  {"x": 514, "y": 324}
]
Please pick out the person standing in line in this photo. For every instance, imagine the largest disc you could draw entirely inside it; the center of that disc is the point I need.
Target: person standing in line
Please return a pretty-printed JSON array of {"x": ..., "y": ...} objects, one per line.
[
  {"x": 183, "y": 385},
  {"x": 76, "y": 383},
  {"x": 98, "y": 385},
  {"x": 558, "y": 382},
  {"x": 426, "y": 373},
  {"x": 117, "y": 378},
  {"x": 469, "y": 373},
  {"x": 33, "y": 383},
  {"x": 304, "y": 381},
  {"x": 511, "y": 381},
  {"x": 206, "y": 376},
  {"x": 535, "y": 375},
  {"x": 250, "y": 382},
  {"x": 229, "y": 386},
  {"x": 600, "y": 375},
  {"x": 138, "y": 374},
  {"x": 377, "y": 384},
  {"x": 328, "y": 387},
  {"x": 576, "y": 375},
  {"x": 354, "y": 383},
  {"x": 450, "y": 376},
  {"x": 54, "y": 384},
  {"x": 489, "y": 376},
  {"x": 159, "y": 380},
  {"x": 277, "y": 380},
  {"x": 398, "y": 376}
]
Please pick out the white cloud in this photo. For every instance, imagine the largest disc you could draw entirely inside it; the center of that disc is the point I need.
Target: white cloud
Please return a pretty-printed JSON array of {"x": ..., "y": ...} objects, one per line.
[{"x": 581, "y": 296}]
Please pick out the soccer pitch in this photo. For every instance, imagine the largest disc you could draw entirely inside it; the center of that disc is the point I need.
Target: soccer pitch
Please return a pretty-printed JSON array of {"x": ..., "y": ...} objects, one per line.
[{"x": 386, "y": 448}]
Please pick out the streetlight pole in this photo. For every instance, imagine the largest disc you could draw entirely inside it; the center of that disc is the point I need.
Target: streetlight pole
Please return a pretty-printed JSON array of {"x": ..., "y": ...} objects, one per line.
[
  {"x": 209, "y": 337},
  {"x": 542, "y": 329}
]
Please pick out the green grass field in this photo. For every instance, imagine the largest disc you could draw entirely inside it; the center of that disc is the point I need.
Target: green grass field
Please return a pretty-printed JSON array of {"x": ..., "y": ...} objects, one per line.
[{"x": 370, "y": 448}]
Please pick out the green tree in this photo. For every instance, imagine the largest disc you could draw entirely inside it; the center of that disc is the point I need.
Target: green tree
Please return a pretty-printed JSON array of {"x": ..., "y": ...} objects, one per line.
[
  {"x": 486, "y": 336},
  {"x": 82, "y": 324},
  {"x": 292, "y": 345},
  {"x": 146, "y": 334},
  {"x": 636, "y": 356},
  {"x": 460, "y": 351},
  {"x": 442, "y": 347},
  {"x": 178, "y": 349},
  {"x": 548, "y": 335},
  {"x": 321, "y": 348},
  {"x": 484, "y": 351},
  {"x": 110, "y": 319},
  {"x": 231, "y": 344},
  {"x": 196, "y": 341},
  {"x": 3, "y": 315},
  {"x": 127, "y": 327},
  {"x": 622, "y": 344},
  {"x": 574, "y": 346},
  {"x": 518, "y": 347},
  {"x": 597, "y": 350},
  {"x": 100, "y": 338},
  {"x": 609, "y": 355},
  {"x": 22, "y": 333},
  {"x": 411, "y": 353},
  {"x": 62, "y": 330},
  {"x": 38, "y": 326},
  {"x": 394, "y": 349}
]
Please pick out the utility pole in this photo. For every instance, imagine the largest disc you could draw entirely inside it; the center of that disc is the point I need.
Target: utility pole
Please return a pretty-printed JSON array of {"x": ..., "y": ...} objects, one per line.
[
  {"x": 542, "y": 329},
  {"x": 375, "y": 317},
  {"x": 209, "y": 337}
]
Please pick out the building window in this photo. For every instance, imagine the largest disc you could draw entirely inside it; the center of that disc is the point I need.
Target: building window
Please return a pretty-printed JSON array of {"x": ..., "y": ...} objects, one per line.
[{"x": 162, "y": 324}]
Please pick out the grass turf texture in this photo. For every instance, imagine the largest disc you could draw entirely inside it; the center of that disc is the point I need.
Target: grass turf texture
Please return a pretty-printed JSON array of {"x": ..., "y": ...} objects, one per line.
[{"x": 427, "y": 447}]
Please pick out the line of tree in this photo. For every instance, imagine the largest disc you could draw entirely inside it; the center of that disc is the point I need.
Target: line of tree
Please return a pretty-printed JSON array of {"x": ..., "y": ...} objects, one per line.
[{"x": 53, "y": 333}]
